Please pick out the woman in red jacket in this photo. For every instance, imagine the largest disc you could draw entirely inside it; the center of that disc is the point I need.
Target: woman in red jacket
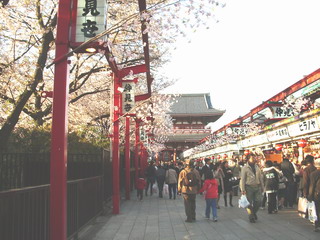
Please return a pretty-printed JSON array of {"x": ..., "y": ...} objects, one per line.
[{"x": 210, "y": 187}]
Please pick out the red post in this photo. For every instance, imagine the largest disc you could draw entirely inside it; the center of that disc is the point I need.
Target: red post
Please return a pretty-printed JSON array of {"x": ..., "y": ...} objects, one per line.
[
  {"x": 115, "y": 147},
  {"x": 136, "y": 151},
  {"x": 58, "y": 162},
  {"x": 127, "y": 158}
]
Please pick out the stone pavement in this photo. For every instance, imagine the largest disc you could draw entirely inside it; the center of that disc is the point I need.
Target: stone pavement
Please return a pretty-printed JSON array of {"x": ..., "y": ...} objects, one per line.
[{"x": 156, "y": 218}]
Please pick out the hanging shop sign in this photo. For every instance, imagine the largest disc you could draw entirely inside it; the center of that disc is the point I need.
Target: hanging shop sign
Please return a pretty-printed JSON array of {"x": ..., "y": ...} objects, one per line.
[
  {"x": 240, "y": 131},
  {"x": 88, "y": 20},
  {"x": 303, "y": 127},
  {"x": 279, "y": 134},
  {"x": 281, "y": 112},
  {"x": 307, "y": 90},
  {"x": 128, "y": 96},
  {"x": 259, "y": 139},
  {"x": 143, "y": 135}
]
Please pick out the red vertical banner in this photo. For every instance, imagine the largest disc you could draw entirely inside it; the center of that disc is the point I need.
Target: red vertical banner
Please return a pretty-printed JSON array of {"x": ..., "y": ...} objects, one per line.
[
  {"x": 58, "y": 161},
  {"x": 127, "y": 158}
]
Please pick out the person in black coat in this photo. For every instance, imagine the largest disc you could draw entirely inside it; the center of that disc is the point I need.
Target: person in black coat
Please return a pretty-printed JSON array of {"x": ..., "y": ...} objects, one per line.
[
  {"x": 206, "y": 169},
  {"x": 271, "y": 186},
  {"x": 314, "y": 192},
  {"x": 288, "y": 171},
  {"x": 228, "y": 184}
]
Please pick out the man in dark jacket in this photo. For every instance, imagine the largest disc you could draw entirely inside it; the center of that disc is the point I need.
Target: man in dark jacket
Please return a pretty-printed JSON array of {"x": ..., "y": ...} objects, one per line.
[
  {"x": 150, "y": 174},
  {"x": 206, "y": 169},
  {"x": 271, "y": 185},
  {"x": 288, "y": 171},
  {"x": 161, "y": 175},
  {"x": 306, "y": 174},
  {"x": 314, "y": 192}
]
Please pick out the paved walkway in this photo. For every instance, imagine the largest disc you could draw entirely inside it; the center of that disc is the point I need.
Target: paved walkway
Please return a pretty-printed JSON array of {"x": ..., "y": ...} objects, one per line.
[{"x": 163, "y": 219}]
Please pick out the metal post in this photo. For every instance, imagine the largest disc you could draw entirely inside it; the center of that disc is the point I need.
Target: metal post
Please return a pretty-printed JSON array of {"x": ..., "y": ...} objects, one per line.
[
  {"x": 127, "y": 158},
  {"x": 115, "y": 147},
  {"x": 58, "y": 162}
]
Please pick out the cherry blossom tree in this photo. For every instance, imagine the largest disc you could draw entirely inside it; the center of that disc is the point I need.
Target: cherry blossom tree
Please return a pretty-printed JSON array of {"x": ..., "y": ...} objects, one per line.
[{"x": 27, "y": 33}]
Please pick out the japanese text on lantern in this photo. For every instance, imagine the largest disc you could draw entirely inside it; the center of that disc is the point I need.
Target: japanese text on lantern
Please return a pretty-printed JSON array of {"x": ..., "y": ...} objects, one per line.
[
  {"x": 90, "y": 19},
  {"x": 128, "y": 96}
]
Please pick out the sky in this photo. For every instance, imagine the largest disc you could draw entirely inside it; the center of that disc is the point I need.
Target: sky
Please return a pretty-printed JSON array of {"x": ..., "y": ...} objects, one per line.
[{"x": 256, "y": 50}]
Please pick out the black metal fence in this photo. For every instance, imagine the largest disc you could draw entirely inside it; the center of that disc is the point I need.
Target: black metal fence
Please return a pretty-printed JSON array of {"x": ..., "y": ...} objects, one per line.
[
  {"x": 24, "y": 193},
  {"x": 24, "y": 213},
  {"x": 19, "y": 170}
]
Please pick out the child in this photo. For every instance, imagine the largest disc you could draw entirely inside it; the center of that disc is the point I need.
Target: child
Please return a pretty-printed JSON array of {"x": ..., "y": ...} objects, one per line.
[
  {"x": 140, "y": 186},
  {"x": 210, "y": 187}
]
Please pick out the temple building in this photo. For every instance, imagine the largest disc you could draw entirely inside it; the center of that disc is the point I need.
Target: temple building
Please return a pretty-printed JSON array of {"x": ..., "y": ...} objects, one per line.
[{"x": 191, "y": 115}]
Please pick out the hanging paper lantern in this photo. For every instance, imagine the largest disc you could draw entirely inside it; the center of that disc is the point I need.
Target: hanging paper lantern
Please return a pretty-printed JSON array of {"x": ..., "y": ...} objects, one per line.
[
  {"x": 212, "y": 157},
  {"x": 246, "y": 152},
  {"x": 225, "y": 156},
  {"x": 302, "y": 143},
  {"x": 278, "y": 147},
  {"x": 218, "y": 157}
]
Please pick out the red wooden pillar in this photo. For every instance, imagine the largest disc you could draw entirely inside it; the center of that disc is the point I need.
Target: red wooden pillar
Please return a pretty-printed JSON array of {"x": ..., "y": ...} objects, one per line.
[
  {"x": 115, "y": 147},
  {"x": 58, "y": 161},
  {"x": 136, "y": 151},
  {"x": 127, "y": 158}
]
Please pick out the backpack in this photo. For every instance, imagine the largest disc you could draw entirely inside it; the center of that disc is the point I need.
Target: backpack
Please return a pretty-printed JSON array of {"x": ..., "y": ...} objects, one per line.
[{"x": 190, "y": 180}]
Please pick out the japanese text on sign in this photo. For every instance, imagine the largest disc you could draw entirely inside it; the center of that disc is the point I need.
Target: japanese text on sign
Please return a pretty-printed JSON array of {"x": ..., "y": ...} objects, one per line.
[
  {"x": 306, "y": 126},
  {"x": 281, "y": 112},
  {"x": 128, "y": 97},
  {"x": 90, "y": 19}
]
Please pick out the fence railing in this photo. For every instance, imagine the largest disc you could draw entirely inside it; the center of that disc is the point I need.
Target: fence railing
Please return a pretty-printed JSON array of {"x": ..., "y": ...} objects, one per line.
[
  {"x": 24, "y": 213},
  {"x": 24, "y": 210},
  {"x": 19, "y": 170}
]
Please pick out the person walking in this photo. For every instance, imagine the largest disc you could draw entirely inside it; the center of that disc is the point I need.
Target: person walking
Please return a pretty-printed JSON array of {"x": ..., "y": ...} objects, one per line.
[
  {"x": 171, "y": 180},
  {"x": 219, "y": 175},
  {"x": 314, "y": 192},
  {"x": 271, "y": 184},
  {"x": 288, "y": 171},
  {"x": 150, "y": 174},
  {"x": 251, "y": 185},
  {"x": 228, "y": 184},
  {"x": 160, "y": 176},
  {"x": 306, "y": 174},
  {"x": 206, "y": 169},
  {"x": 210, "y": 187},
  {"x": 140, "y": 186},
  {"x": 188, "y": 186}
]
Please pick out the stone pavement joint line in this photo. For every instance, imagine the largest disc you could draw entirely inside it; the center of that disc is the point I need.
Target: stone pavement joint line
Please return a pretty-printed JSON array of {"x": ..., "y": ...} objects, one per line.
[{"x": 156, "y": 218}]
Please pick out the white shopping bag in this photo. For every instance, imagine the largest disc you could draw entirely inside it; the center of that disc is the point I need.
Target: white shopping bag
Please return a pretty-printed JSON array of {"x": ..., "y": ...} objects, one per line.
[
  {"x": 166, "y": 189},
  {"x": 243, "y": 202},
  {"x": 154, "y": 188},
  {"x": 312, "y": 215}
]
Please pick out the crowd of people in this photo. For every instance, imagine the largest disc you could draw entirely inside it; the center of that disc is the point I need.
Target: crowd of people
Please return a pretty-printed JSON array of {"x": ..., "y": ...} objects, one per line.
[{"x": 263, "y": 182}]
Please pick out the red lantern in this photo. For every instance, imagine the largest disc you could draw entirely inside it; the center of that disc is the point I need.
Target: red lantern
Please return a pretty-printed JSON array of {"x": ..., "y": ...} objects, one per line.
[
  {"x": 278, "y": 147},
  {"x": 225, "y": 156},
  {"x": 302, "y": 143},
  {"x": 218, "y": 157},
  {"x": 212, "y": 157},
  {"x": 246, "y": 152}
]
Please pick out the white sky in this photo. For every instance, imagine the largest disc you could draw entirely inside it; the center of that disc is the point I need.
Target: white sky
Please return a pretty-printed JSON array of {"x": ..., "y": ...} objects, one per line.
[{"x": 258, "y": 49}]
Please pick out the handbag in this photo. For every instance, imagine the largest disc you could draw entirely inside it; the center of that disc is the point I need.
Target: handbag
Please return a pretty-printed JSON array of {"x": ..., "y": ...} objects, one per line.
[
  {"x": 312, "y": 214},
  {"x": 243, "y": 202},
  {"x": 302, "y": 207}
]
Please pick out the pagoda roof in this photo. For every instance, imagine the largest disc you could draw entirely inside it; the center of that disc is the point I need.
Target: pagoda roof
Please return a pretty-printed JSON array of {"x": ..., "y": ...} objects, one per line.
[{"x": 197, "y": 104}]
